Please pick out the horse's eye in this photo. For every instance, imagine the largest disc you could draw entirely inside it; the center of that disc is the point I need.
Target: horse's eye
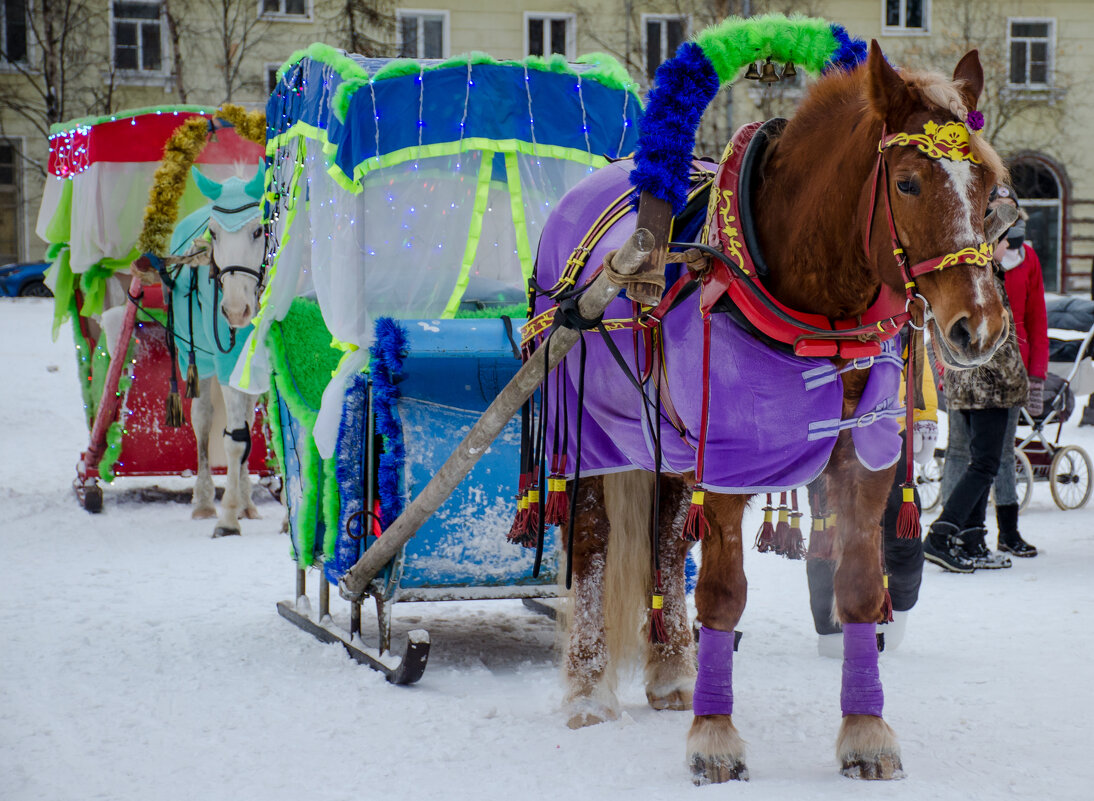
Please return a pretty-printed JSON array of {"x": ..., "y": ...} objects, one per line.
[
  {"x": 909, "y": 186},
  {"x": 257, "y": 233}
]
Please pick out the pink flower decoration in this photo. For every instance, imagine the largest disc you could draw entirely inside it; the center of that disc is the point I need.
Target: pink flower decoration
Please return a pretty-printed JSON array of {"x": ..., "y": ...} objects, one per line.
[{"x": 975, "y": 121}]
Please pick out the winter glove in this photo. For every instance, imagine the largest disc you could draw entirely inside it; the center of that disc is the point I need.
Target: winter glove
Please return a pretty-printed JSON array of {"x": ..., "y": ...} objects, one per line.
[
  {"x": 1035, "y": 403},
  {"x": 924, "y": 440}
]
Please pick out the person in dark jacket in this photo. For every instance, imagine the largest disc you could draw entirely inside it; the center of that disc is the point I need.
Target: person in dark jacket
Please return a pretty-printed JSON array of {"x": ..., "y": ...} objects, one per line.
[{"x": 980, "y": 403}]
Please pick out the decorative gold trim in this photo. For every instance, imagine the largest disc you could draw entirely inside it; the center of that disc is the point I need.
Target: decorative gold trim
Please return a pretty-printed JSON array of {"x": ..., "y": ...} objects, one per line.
[
  {"x": 979, "y": 256},
  {"x": 949, "y": 141}
]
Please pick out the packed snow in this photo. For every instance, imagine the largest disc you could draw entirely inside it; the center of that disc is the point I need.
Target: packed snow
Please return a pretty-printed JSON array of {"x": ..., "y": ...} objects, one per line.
[{"x": 141, "y": 659}]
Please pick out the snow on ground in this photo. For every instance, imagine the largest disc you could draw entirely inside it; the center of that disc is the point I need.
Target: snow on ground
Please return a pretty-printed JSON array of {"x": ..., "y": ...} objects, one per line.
[{"x": 140, "y": 659}]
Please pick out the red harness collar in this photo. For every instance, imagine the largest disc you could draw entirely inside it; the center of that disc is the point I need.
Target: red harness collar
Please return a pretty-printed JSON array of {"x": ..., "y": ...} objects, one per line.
[{"x": 809, "y": 334}]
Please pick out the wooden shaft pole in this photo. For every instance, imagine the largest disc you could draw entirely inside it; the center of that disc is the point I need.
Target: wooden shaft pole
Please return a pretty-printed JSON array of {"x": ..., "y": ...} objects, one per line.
[{"x": 354, "y": 584}]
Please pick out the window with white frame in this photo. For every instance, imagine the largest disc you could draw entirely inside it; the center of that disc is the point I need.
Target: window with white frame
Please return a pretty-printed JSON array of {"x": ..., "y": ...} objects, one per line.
[
  {"x": 905, "y": 16},
  {"x": 13, "y": 31},
  {"x": 271, "y": 77},
  {"x": 9, "y": 200},
  {"x": 1031, "y": 43},
  {"x": 546, "y": 34},
  {"x": 422, "y": 33},
  {"x": 661, "y": 36},
  {"x": 138, "y": 36},
  {"x": 283, "y": 8}
]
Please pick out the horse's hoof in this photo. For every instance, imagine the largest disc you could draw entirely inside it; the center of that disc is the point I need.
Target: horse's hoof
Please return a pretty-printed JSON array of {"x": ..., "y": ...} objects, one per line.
[
  {"x": 867, "y": 748},
  {"x": 716, "y": 770},
  {"x": 679, "y": 700},
  {"x": 585, "y": 711},
  {"x": 716, "y": 752},
  {"x": 885, "y": 766},
  {"x": 203, "y": 513},
  {"x": 251, "y": 513},
  {"x": 224, "y": 531}
]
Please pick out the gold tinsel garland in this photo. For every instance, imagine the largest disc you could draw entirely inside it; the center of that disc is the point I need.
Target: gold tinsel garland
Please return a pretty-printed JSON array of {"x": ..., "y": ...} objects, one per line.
[{"x": 179, "y": 155}]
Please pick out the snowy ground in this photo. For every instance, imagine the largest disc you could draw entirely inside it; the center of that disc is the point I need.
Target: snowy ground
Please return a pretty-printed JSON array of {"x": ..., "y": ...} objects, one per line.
[{"x": 140, "y": 659}]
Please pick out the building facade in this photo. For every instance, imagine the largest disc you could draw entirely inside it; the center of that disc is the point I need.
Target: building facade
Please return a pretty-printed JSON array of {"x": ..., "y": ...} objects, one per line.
[{"x": 142, "y": 53}]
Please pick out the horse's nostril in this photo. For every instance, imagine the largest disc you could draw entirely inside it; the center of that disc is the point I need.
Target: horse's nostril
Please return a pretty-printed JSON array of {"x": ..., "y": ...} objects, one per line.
[{"x": 960, "y": 333}]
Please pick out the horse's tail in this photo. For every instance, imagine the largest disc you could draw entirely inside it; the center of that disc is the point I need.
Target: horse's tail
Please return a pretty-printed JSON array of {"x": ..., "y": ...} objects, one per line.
[{"x": 628, "y": 501}]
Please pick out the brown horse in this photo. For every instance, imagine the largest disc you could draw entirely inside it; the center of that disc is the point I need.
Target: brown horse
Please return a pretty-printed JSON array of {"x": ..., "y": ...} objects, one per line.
[{"x": 854, "y": 173}]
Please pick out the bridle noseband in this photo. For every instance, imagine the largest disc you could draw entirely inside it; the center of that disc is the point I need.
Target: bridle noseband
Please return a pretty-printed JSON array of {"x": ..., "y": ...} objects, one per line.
[
  {"x": 217, "y": 273},
  {"x": 949, "y": 141}
]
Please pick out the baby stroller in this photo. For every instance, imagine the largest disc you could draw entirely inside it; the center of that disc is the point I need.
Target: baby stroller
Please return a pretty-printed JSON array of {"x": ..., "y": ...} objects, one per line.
[{"x": 1067, "y": 468}]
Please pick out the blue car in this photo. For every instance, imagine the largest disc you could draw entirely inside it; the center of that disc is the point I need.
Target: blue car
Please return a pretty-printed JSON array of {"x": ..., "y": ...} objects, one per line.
[{"x": 24, "y": 279}]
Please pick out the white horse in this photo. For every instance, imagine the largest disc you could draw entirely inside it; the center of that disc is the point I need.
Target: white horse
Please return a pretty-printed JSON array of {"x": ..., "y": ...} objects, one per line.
[{"x": 211, "y": 302}]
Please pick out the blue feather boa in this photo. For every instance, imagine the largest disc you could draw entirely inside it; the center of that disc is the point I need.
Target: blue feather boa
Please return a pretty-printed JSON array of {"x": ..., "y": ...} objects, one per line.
[
  {"x": 388, "y": 352},
  {"x": 351, "y": 477},
  {"x": 684, "y": 87}
]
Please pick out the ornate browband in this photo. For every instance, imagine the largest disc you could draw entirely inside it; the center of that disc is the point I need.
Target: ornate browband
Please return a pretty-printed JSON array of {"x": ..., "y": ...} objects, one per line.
[{"x": 949, "y": 141}]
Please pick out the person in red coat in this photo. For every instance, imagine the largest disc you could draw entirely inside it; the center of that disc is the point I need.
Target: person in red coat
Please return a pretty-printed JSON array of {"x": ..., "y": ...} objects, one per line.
[{"x": 1026, "y": 293}]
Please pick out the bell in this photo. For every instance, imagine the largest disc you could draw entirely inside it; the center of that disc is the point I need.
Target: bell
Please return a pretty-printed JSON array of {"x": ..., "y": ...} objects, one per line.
[
  {"x": 789, "y": 71},
  {"x": 769, "y": 75},
  {"x": 753, "y": 72}
]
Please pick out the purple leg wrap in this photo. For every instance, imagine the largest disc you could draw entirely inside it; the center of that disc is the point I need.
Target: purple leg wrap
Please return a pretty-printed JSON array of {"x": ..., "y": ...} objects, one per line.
[
  {"x": 714, "y": 684},
  {"x": 862, "y": 693}
]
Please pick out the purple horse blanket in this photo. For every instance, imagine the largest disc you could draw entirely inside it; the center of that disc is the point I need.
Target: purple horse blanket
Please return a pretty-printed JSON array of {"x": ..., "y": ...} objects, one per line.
[{"x": 773, "y": 416}]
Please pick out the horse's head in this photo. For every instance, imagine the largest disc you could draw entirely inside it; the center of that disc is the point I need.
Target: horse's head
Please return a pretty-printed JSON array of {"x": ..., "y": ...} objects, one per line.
[
  {"x": 929, "y": 199},
  {"x": 238, "y": 241}
]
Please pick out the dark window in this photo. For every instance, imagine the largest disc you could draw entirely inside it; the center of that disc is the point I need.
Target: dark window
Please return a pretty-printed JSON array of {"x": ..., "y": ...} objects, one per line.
[
  {"x": 295, "y": 8},
  {"x": 548, "y": 35},
  {"x": 137, "y": 37},
  {"x": 663, "y": 37},
  {"x": 1032, "y": 181},
  {"x": 13, "y": 35},
  {"x": 9, "y": 202},
  {"x": 271, "y": 79},
  {"x": 421, "y": 36},
  {"x": 7, "y": 164},
  {"x": 535, "y": 37},
  {"x": 905, "y": 14},
  {"x": 1030, "y": 53}
]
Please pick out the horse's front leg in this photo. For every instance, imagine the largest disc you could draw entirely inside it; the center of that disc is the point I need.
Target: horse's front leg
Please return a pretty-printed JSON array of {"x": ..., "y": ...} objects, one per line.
[
  {"x": 237, "y": 442},
  {"x": 670, "y": 665},
  {"x": 201, "y": 419},
  {"x": 715, "y": 751},
  {"x": 867, "y": 747}
]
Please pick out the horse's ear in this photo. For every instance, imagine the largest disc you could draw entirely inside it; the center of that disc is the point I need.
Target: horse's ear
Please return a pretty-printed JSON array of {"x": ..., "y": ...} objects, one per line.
[
  {"x": 255, "y": 186},
  {"x": 885, "y": 89},
  {"x": 969, "y": 75},
  {"x": 208, "y": 187}
]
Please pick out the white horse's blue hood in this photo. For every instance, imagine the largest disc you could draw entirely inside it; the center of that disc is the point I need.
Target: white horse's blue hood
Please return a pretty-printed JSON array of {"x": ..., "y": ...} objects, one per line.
[{"x": 236, "y": 201}]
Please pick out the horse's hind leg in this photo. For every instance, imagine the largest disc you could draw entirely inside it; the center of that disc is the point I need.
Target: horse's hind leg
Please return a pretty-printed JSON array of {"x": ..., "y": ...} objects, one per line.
[
  {"x": 715, "y": 751},
  {"x": 867, "y": 747},
  {"x": 201, "y": 418},
  {"x": 590, "y": 693},
  {"x": 670, "y": 666}
]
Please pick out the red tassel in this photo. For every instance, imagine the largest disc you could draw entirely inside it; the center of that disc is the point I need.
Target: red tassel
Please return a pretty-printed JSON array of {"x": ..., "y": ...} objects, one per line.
[
  {"x": 696, "y": 526},
  {"x": 377, "y": 524},
  {"x": 557, "y": 509},
  {"x": 887, "y": 604},
  {"x": 907, "y": 519},
  {"x": 765, "y": 537},
  {"x": 822, "y": 538},
  {"x": 795, "y": 543},
  {"x": 782, "y": 528},
  {"x": 531, "y": 520},
  {"x": 520, "y": 523}
]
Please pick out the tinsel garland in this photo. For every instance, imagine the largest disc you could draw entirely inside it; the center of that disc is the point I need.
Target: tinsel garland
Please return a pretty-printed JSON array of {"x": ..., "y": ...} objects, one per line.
[
  {"x": 388, "y": 352},
  {"x": 179, "y": 154},
  {"x": 351, "y": 479}
]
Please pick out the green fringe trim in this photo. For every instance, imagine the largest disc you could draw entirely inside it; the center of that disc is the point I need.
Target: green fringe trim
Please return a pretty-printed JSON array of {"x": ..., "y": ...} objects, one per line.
[
  {"x": 606, "y": 70},
  {"x": 125, "y": 114},
  {"x": 300, "y": 384},
  {"x": 517, "y": 310},
  {"x": 734, "y": 43}
]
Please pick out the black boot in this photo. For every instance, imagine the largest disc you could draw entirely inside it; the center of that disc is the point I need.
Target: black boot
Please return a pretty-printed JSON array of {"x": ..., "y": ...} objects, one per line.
[
  {"x": 973, "y": 540},
  {"x": 1009, "y": 538},
  {"x": 944, "y": 548}
]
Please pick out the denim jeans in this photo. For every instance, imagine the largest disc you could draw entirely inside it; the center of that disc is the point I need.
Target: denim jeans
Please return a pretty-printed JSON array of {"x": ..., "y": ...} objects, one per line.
[
  {"x": 957, "y": 459},
  {"x": 967, "y": 501}
]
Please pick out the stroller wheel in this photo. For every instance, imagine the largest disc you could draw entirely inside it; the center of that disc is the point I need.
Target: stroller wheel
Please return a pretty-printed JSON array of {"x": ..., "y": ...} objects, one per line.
[
  {"x": 1069, "y": 477},
  {"x": 1023, "y": 479},
  {"x": 928, "y": 482}
]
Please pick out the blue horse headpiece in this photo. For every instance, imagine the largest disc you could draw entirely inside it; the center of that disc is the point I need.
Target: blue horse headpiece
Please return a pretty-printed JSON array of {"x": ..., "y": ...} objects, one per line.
[{"x": 236, "y": 201}]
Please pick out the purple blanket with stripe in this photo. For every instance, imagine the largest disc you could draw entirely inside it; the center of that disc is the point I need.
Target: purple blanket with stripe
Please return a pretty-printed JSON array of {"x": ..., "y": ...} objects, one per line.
[{"x": 774, "y": 416}]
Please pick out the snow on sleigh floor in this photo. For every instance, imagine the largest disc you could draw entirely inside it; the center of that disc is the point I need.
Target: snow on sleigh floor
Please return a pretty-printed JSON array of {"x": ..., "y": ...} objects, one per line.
[{"x": 141, "y": 659}]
